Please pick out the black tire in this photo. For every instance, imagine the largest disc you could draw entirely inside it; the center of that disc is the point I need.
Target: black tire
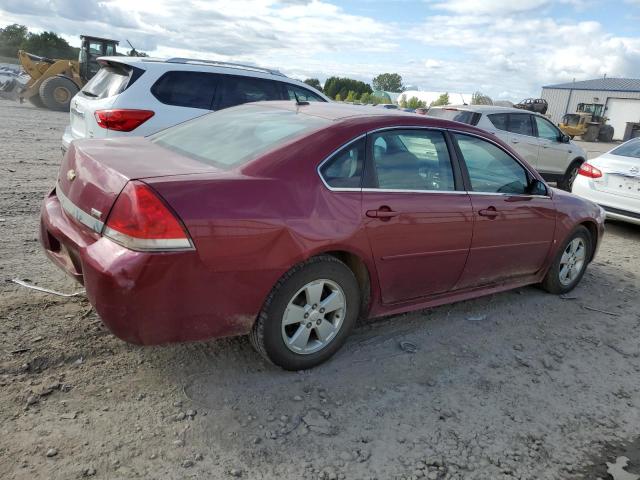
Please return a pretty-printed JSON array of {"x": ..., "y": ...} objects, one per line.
[
  {"x": 36, "y": 101},
  {"x": 570, "y": 176},
  {"x": 56, "y": 93},
  {"x": 606, "y": 134},
  {"x": 267, "y": 333},
  {"x": 591, "y": 135},
  {"x": 551, "y": 282}
]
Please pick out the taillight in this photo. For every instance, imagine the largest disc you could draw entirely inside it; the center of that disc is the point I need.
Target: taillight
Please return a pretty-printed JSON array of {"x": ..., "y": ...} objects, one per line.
[
  {"x": 139, "y": 220},
  {"x": 587, "y": 170},
  {"x": 122, "y": 120}
]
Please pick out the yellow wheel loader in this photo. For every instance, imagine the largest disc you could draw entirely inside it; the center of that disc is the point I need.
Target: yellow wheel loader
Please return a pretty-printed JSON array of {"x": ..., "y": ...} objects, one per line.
[
  {"x": 588, "y": 123},
  {"x": 54, "y": 82}
]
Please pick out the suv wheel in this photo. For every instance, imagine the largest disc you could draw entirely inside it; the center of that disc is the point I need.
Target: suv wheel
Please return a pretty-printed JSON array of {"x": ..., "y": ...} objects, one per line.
[
  {"x": 308, "y": 314},
  {"x": 570, "y": 176}
]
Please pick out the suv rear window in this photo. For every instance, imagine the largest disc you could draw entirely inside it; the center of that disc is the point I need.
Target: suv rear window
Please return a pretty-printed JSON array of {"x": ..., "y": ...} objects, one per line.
[
  {"x": 110, "y": 80},
  {"x": 232, "y": 137},
  {"x": 462, "y": 116},
  {"x": 186, "y": 89}
]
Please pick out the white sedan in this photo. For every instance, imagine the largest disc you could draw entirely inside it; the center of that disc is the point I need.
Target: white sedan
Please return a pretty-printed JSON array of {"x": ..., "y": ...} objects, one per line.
[{"x": 612, "y": 180}]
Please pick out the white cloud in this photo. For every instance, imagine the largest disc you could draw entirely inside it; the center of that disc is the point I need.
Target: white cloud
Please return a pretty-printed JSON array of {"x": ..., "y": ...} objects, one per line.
[{"x": 503, "y": 48}]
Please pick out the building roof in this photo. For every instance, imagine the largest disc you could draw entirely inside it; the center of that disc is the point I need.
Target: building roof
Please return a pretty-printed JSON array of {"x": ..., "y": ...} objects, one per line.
[{"x": 610, "y": 84}]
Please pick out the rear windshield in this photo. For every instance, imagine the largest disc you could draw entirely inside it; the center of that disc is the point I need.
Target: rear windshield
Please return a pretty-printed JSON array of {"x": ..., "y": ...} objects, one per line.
[
  {"x": 109, "y": 81},
  {"x": 462, "y": 116},
  {"x": 234, "y": 136},
  {"x": 629, "y": 149}
]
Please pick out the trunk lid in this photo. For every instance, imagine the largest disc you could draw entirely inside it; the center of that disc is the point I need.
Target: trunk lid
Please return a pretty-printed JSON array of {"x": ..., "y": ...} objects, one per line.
[
  {"x": 94, "y": 172},
  {"x": 621, "y": 175}
]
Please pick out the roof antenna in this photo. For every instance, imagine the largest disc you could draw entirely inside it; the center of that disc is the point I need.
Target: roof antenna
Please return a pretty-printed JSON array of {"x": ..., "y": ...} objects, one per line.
[{"x": 462, "y": 97}]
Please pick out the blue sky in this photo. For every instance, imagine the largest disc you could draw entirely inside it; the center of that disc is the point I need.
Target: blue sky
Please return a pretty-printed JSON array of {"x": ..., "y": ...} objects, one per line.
[{"x": 505, "y": 48}]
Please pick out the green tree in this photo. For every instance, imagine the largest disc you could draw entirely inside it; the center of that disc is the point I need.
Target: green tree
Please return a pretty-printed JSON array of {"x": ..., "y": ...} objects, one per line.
[
  {"x": 388, "y": 82},
  {"x": 313, "y": 82},
  {"x": 415, "y": 102},
  {"x": 335, "y": 85},
  {"x": 351, "y": 96},
  {"x": 365, "y": 98},
  {"x": 479, "y": 98},
  {"x": 338, "y": 97},
  {"x": 49, "y": 44},
  {"x": 441, "y": 100},
  {"x": 11, "y": 39},
  {"x": 402, "y": 101}
]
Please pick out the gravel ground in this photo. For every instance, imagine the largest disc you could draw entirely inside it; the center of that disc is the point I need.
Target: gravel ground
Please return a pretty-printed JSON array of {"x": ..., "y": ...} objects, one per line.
[{"x": 516, "y": 385}]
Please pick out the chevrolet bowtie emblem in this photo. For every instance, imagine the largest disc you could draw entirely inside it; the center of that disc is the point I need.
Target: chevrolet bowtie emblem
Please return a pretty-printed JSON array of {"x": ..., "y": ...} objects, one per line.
[{"x": 71, "y": 175}]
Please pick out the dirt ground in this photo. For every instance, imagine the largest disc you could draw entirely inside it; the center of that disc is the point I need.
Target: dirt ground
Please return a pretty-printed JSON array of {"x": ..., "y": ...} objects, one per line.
[{"x": 517, "y": 385}]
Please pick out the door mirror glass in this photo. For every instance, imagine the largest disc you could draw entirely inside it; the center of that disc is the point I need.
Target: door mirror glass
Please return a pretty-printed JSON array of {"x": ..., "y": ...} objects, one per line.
[
  {"x": 565, "y": 138},
  {"x": 536, "y": 187}
]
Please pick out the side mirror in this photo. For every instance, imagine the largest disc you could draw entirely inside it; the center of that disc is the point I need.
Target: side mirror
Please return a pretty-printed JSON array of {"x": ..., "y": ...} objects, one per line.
[
  {"x": 564, "y": 138},
  {"x": 536, "y": 187}
]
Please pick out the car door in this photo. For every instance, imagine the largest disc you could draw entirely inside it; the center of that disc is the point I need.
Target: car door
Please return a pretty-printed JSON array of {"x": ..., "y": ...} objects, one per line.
[
  {"x": 554, "y": 155},
  {"x": 418, "y": 218},
  {"x": 516, "y": 129},
  {"x": 513, "y": 226}
]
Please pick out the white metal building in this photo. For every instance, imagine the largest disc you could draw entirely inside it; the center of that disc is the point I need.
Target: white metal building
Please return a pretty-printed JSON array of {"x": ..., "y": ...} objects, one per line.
[{"x": 619, "y": 96}]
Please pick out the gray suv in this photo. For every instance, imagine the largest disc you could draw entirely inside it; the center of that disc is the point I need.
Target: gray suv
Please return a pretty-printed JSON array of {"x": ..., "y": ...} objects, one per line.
[{"x": 532, "y": 135}]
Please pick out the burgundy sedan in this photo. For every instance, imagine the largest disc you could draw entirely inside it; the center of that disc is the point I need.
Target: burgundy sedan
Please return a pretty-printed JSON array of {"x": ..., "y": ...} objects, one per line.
[{"x": 288, "y": 221}]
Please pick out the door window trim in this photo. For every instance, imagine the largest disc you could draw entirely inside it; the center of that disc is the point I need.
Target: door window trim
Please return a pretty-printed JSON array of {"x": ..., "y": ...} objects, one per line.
[
  {"x": 467, "y": 181},
  {"x": 462, "y": 183}
]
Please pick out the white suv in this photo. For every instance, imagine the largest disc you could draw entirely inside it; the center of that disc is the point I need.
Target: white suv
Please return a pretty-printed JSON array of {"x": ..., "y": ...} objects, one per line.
[
  {"x": 532, "y": 135},
  {"x": 140, "y": 96}
]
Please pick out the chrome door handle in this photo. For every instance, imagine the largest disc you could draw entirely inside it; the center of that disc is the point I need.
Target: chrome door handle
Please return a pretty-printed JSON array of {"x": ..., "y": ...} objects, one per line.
[
  {"x": 490, "y": 212},
  {"x": 515, "y": 141},
  {"x": 382, "y": 213}
]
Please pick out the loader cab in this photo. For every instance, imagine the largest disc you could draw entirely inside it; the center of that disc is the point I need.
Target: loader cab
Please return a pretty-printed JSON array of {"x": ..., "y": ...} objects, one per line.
[{"x": 90, "y": 49}]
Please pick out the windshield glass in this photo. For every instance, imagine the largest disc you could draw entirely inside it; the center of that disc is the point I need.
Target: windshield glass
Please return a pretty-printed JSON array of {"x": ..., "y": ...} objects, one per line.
[
  {"x": 462, "y": 116},
  {"x": 629, "y": 149},
  {"x": 234, "y": 136}
]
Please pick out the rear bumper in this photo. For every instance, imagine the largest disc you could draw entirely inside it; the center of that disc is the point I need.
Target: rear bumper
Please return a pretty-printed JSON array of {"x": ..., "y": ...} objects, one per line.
[
  {"x": 152, "y": 298},
  {"x": 617, "y": 207}
]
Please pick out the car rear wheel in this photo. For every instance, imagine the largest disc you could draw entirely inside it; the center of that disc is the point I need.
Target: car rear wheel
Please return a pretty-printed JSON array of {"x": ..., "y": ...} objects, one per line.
[
  {"x": 308, "y": 314},
  {"x": 569, "y": 177},
  {"x": 570, "y": 263}
]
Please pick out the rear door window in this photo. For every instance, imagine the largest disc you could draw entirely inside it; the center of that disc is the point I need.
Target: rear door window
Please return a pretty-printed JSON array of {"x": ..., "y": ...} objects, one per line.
[
  {"x": 186, "y": 89},
  {"x": 499, "y": 120},
  {"x": 412, "y": 160},
  {"x": 520, "y": 123},
  {"x": 546, "y": 129},
  {"x": 235, "y": 90}
]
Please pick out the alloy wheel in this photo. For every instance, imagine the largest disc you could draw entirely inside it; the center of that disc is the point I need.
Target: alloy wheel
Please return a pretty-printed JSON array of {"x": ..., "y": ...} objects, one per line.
[
  {"x": 572, "y": 261},
  {"x": 313, "y": 316}
]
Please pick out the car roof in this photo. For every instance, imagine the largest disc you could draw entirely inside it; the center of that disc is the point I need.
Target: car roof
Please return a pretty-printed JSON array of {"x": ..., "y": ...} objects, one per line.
[
  {"x": 362, "y": 115},
  {"x": 486, "y": 109},
  {"x": 162, "y": 65}
]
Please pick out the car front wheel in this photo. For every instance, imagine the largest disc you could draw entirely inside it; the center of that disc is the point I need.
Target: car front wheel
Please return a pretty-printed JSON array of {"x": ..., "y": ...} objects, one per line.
[
  {"x": 308, "y": 314},
  {"x": 570, "y": 263}
]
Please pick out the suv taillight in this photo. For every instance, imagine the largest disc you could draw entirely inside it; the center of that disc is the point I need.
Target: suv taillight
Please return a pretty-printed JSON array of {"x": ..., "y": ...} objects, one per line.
[
  {"x": 589, "y": 171},
  {"x": 140, "y": 220},
  {"x": 122, "y": 120}
]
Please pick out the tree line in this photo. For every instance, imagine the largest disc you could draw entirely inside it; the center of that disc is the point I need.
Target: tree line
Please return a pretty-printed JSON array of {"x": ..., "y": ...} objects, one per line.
[{"x": 46, "y": 44}]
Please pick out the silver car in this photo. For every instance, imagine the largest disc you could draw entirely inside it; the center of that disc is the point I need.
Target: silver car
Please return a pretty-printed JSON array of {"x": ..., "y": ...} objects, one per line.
[{"x": 532, "y": 135}]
